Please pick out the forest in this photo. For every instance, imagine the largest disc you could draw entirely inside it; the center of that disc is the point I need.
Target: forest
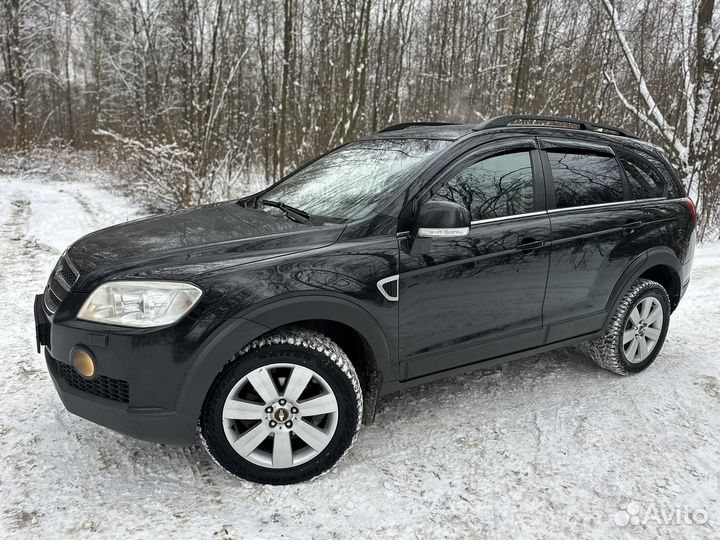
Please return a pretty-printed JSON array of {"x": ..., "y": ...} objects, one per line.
[{"x": 195, "y": 101}]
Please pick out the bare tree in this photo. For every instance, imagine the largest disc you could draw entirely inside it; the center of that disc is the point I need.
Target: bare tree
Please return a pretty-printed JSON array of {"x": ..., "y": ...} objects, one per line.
[
  {"x": 13, "y": 54},
  {"x": 204, "y": 99},
  {"x": 692, "y": 138}
]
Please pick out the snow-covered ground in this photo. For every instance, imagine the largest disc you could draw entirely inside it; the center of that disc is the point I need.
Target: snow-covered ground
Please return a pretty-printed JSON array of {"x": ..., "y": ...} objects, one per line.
[{"x": 547, "y": 447}]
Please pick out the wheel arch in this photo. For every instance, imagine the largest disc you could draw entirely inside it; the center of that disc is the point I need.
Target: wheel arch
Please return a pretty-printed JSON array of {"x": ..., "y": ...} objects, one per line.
[
  {"x": 659, "y": 264},
  {"x": 351, "y": 326},
  {"x": 667, "y": 277}
]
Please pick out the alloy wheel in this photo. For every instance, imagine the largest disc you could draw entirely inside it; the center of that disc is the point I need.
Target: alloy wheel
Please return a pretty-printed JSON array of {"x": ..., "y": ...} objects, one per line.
[
  {"x": 642, "y": 330},
  {"x": 280, "y": 415}
]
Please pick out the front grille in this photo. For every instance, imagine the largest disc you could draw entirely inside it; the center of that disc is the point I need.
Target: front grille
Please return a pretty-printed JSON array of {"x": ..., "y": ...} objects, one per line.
[
  {"x": 61, "y": 280},
  {"x": 102, "y": 386}
]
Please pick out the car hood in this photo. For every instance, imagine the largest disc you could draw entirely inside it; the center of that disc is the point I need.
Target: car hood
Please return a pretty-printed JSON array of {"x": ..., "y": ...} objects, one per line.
[{"x": 198, "y": 240}]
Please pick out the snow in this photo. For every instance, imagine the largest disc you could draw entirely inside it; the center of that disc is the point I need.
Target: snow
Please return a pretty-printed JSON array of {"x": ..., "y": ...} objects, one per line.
[{"x": 548, "y": 447}]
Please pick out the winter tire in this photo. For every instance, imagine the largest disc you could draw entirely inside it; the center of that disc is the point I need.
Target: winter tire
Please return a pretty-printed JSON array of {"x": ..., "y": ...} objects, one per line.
[
  {"x": 636, "y": 331},
  {"x": 285, "y": 410}
]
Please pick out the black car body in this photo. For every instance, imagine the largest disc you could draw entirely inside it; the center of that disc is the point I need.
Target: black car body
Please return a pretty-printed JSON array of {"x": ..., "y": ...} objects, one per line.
[{"x": 406, "y": 308}]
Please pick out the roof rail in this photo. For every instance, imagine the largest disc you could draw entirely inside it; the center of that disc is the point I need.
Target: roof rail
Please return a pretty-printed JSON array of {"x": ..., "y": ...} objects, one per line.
[
  {"x": 532, "y": 120},
  {"x": 398, "y": 127}
]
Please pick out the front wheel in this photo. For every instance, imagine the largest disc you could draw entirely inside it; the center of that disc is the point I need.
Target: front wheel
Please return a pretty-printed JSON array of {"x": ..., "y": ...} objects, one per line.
[
  {"x": 286, "y": 410},
  {"x": 636, "y": 332}
]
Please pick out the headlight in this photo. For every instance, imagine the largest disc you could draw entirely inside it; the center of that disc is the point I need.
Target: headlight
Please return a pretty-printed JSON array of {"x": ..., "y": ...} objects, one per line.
[{"x": 141, "y": 304}]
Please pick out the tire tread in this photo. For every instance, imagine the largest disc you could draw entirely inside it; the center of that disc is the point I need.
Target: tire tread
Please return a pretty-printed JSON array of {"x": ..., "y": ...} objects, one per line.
[{"x": 604, "y": 351}]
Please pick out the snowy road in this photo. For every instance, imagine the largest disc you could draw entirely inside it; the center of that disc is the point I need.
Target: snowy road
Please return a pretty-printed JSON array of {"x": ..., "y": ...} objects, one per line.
[{"x": 547, "y": 447}]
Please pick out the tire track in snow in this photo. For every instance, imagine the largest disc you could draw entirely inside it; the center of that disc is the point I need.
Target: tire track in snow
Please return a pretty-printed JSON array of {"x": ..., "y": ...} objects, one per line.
[
  {"x": 31, "y": 411},
  {"x": 18, "y": 260},
  {"x": 89, "y": 209},
  {"x": 18, "y": 269},
  {"x": 10, "y": 233}
]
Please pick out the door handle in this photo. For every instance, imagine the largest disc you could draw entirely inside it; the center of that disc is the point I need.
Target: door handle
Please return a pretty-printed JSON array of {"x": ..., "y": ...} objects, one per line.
[
  {"x": 630, "y": 226},
  {"x": 528, "y": 245}
]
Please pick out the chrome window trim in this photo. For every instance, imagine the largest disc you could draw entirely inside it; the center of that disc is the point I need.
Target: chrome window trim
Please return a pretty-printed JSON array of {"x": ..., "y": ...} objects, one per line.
[
  {"x": 506, "y": 218},
  {"x": 586, "y": 206},
  {"x": 403, "y": 234}
]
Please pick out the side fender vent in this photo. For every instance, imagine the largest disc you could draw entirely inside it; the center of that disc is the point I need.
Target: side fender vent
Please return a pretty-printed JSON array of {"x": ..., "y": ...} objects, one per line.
[{"x": 388, "y": 287}]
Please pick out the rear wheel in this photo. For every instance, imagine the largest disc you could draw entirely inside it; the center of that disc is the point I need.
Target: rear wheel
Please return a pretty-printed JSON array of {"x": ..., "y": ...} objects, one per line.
[
  {"x": 286, "y": 410},
  {"x": 636, "y": 332}
]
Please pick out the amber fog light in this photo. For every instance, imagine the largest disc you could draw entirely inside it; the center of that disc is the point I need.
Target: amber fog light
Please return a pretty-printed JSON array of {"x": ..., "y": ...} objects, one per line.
[{"x": 83, "y": 363}]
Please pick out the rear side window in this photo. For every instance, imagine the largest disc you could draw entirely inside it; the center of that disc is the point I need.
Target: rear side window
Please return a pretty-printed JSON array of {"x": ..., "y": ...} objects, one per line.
[
  {"x": 494, "y": 187},
  {"x": 645, "y": 182},
  {"x": 582, "y": 179}
]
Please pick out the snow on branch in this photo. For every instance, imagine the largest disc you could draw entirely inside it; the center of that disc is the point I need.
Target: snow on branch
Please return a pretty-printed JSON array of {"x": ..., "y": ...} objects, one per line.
[{"x": 654, "y": 117}]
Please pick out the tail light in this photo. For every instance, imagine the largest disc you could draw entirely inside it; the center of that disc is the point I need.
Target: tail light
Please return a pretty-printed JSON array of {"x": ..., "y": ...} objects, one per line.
[{"x": 691, "y": 207}]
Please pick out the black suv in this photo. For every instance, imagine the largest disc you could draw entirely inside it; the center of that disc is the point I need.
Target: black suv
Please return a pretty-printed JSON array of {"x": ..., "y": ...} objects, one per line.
[{"x": 273, "y": 323}]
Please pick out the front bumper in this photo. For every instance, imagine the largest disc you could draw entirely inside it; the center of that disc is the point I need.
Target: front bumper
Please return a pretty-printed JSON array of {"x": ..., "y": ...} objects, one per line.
[
  {"x": 149, "y": 425},
  {"x": 138, "y": 383}
]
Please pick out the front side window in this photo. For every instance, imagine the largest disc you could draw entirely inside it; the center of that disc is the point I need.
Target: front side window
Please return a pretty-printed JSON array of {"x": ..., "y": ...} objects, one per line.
[
  {"x": 583, "y": 179},
  {"x": 351, "y": 182},
  {"x": 494, "y": 187}
]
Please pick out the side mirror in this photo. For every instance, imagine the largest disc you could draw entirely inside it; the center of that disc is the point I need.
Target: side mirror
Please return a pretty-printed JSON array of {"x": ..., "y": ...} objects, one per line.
[{"x": 442, "y": 219}]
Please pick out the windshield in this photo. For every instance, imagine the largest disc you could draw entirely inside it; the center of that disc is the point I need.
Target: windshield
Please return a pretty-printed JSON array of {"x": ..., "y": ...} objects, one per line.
[{"x": 352, "y": 181}]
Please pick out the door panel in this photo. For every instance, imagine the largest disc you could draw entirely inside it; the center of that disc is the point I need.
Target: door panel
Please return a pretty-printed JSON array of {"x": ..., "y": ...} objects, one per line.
[
  {"x": 596, "y": 232},
  {"x": 464, "y": 300},
  {"x": 590, "y": 250},
  {"x": 461, "y": 302}
]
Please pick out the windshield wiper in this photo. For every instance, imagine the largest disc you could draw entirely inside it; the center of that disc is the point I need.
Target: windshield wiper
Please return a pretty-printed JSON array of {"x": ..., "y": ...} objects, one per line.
[{"x": 290, "y": 211}]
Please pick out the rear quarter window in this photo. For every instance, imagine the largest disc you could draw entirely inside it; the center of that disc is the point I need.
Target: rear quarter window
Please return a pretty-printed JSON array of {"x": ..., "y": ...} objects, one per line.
[
  {"x": 645, "y": 181},
  {"x": 673, "y": 190}
]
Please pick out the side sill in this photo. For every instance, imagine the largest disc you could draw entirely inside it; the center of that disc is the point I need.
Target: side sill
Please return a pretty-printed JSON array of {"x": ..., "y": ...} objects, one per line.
[{"x": 395, "y": 386}]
